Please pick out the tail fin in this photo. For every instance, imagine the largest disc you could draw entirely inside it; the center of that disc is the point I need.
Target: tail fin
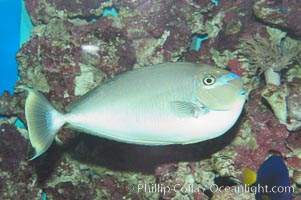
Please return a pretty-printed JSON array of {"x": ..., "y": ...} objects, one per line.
[
  {"x": 43, "y": 121},
  {"x": 249, "y": 176}
]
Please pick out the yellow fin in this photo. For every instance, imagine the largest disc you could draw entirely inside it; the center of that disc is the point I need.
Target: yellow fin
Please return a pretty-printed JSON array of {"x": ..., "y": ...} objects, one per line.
[{"x": 249, "y": 176}]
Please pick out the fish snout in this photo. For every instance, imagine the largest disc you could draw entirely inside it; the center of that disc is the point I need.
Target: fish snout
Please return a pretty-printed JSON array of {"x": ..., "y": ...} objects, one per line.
[{"x": 242, "y": 92}]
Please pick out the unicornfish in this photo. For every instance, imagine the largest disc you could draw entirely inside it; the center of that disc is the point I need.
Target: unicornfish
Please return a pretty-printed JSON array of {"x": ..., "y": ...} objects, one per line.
[{"x": 171, "y": 103}]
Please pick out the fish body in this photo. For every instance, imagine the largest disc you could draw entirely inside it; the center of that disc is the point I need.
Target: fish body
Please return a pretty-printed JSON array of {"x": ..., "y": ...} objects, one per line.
[
  {"x": 172, "y": 103},
  {"x": 272, "y": 180}
]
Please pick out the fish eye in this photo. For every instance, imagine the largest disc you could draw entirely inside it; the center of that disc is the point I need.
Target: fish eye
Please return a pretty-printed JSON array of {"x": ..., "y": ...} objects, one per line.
[{"x": 209, "y": 79}]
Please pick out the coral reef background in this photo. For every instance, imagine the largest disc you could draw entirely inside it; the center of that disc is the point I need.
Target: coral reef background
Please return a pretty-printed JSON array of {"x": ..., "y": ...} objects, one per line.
[{"x": 77, "y": 45}]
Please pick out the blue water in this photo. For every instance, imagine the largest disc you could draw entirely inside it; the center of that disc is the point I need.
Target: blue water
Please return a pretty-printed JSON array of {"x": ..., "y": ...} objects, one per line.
[{"x": 12, "y": 15}]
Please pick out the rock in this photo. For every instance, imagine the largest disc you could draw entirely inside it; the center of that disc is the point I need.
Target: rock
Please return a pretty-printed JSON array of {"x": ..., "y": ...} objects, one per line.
[{"x": 285, "y": 14}]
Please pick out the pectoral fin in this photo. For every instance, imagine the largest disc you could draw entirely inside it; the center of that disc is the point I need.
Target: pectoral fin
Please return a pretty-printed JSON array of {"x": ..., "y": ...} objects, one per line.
[{"x": 188, "y": 109}]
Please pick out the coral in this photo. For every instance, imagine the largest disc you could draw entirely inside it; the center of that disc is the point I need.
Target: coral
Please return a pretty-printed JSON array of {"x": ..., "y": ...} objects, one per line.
[
  {"x": 42, "y": 11},
  {"x": 293, "y": 106},
  {"x": 15, "y": 172},
  {"x": 75, "y": 46},
  {"x": 221, "y": 59},
  {"x": 270, "y": 58},
  {"x": 294, "y": 159},
  {"x": 267, "y": 57},
  {"x": 276, "y": 97},
  {"x": 234, "y": 66},
  {"x": 263, "y": 136},
  {"x": 11, "y": 105}
]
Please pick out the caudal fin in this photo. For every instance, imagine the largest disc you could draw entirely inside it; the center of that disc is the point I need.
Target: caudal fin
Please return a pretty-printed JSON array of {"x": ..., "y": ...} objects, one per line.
[{"x": 43, "y": 121}]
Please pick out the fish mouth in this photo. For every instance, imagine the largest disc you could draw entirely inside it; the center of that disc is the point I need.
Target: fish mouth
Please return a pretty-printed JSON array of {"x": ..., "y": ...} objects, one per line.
[{"x": 242, "y": 92}]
